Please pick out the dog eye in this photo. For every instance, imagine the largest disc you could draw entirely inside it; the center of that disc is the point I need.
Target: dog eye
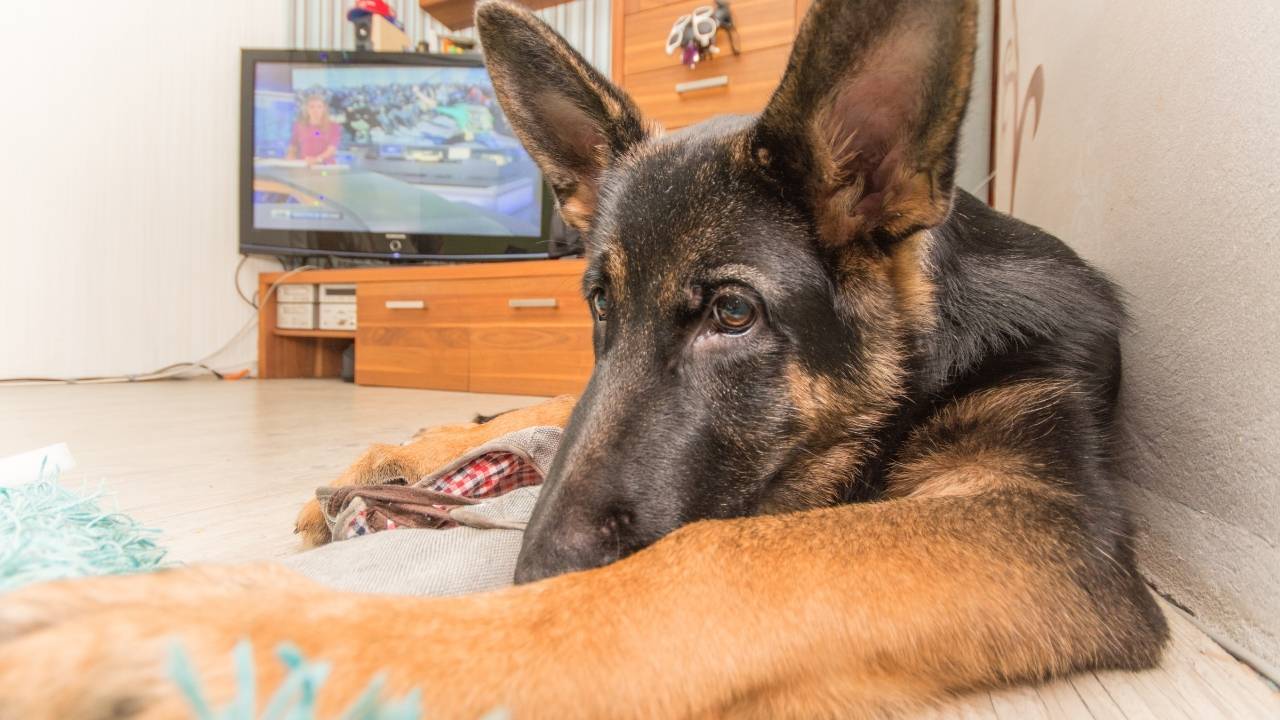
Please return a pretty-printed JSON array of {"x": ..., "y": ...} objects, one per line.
[
  {"x": 599, "y": 304},
  {"x": 733, "y": 314}
]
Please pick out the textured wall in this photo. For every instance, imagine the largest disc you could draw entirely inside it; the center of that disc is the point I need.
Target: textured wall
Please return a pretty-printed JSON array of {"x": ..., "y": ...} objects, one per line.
[{"x": 1156, "y": 157}]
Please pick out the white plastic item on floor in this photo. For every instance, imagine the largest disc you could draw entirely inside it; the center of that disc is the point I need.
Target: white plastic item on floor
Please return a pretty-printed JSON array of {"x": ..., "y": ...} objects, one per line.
[{"x": 27, "y": 466}]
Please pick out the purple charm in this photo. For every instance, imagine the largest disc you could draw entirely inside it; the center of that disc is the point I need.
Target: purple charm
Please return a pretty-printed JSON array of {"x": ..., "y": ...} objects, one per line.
[{"x": 690, "y": 55}]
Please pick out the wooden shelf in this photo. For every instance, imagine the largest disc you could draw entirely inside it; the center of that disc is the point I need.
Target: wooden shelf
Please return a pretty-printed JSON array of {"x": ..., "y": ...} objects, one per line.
[
  {"x": 458, "y": 14},
  {"x": 341, "y": 334}
]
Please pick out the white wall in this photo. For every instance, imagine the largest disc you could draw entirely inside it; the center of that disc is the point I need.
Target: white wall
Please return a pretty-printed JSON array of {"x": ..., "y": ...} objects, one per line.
[
  {"x": 1157, "y": 158},
  {"x": 118, "y": 184},
  {"x": 974, "y": 166}
]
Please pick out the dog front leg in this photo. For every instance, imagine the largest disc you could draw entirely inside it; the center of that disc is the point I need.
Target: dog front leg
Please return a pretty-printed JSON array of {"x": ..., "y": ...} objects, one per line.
[
  {"x": 858, "y": 610},
  {"x": 850, "y": 611}
]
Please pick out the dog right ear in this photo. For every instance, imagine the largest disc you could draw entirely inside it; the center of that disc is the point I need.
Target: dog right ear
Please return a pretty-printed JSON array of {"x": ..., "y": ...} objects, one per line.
[
  {"x": 571, "y": 119},
  {"x": 864, "y": 126}
]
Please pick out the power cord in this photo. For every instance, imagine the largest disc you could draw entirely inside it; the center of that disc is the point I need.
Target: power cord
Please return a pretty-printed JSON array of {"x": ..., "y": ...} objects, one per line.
[
  {"x": 236, "y": 278},
  {"x": 253, "y": 302},
  {"x": 167, "y": 372}
]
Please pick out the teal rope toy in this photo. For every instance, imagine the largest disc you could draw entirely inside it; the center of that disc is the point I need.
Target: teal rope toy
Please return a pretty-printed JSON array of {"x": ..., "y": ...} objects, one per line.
[{"x": 50, "y": 533}]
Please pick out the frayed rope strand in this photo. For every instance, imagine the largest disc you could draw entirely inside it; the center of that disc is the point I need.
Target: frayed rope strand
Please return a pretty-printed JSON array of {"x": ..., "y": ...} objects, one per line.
[{"x": 50, "y": 533}]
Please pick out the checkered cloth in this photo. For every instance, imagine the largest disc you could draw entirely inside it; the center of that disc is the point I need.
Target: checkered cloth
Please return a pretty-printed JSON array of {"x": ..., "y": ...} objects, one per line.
[
  {"x": 442, "y": 499},
  {"x": 489, "y": 475}
]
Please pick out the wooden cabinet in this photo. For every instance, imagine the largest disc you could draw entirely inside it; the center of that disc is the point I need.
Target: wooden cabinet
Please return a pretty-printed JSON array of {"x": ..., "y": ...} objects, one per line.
[
  {"x": 414, "y": 356},
  {"x": 520, "y": 328},
  {"x": 730, "y": 84}
]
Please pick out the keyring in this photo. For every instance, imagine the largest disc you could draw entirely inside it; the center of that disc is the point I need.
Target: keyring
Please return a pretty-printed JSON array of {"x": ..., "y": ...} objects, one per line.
[
  {"x": 700, "y": 26},
  {"x": 676, "y": 38},
  {"x": 704, "y": 25}
]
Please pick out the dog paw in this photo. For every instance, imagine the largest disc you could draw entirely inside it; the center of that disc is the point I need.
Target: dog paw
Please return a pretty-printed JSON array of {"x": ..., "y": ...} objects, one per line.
[
  {"x": 311, "y": 525},
  {"x": 380, "y": 465},
  {"x": 105, "y": 647}
]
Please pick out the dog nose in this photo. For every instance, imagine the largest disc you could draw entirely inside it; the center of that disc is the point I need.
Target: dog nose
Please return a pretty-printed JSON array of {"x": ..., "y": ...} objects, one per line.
[{"x": 571, "y": 545}]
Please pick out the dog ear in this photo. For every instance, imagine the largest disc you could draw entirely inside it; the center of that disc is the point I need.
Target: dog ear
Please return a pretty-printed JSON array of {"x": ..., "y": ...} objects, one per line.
[
  {"x": 864, "y": 123},
  {"x": 571, "y": 119}
]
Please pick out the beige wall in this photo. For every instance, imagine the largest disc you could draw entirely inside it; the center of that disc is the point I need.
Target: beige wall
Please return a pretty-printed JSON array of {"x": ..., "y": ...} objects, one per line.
[
  {"x": 118, "y": 183},
  {"x": 1158, "y": 158}
]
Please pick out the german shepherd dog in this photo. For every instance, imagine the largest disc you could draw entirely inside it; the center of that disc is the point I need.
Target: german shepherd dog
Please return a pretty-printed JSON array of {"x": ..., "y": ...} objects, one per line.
[{"x": 845, "y": 450}]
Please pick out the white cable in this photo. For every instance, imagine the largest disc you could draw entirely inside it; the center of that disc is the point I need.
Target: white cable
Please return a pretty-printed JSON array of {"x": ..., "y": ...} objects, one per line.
[{"x": 169, "y": 371}]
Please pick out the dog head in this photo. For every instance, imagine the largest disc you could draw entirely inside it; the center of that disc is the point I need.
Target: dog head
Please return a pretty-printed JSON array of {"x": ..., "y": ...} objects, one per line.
[{"x": 754, "y": 280}]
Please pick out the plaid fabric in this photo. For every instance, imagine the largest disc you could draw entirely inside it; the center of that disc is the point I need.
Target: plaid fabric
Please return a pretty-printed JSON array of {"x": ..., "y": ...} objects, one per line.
[
  {"x": 489, "y": 475},
  {"x": 362, "y": 510},
  {"x": 446, "y": 498}
]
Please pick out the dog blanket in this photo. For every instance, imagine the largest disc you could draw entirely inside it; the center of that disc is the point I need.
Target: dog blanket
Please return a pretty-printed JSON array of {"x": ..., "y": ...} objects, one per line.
[{"x": 455, "y": 531}]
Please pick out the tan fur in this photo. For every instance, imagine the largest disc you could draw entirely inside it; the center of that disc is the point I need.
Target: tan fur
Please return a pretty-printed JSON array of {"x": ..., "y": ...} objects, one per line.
[
  {"x": 837, "y": 612},
  {"x": 912, "y": 281},
  {"x": 578, "y": 210},
  {"x": 838, "y": 419},
  {"x": 985, "y": 459}
]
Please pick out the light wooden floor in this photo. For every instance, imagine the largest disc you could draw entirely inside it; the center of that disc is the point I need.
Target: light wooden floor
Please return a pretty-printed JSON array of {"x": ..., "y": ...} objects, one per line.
[{"x": 221, "y": 468}]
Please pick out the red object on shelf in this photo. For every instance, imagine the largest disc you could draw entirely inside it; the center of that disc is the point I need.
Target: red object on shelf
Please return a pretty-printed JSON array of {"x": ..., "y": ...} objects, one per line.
[{"x": 373, "y": 7}]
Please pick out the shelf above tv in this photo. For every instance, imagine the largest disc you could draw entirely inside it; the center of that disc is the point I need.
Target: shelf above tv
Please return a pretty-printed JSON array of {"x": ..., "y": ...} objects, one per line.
[
  {"x": 338, "y": 334},
  {"x": 459, "y": 14}
]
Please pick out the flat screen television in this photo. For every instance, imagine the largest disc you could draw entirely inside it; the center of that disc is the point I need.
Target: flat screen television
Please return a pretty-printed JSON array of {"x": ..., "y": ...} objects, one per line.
[{"x": 385, "y": 155}]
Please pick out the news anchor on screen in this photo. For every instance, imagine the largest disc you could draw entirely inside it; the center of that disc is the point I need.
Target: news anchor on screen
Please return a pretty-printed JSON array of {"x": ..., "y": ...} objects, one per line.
[{"x": 315, "y": 136}]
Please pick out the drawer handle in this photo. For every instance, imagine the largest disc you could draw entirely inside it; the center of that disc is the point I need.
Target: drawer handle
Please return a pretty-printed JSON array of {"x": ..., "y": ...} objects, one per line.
[
  {"x": 406, "y": 304},
  {"x": 704, "y": 84},
  {"x": 532, "y": 303}
]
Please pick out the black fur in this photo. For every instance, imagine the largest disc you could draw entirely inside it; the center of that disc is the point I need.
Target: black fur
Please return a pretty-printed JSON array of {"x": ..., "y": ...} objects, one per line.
[{"x": 841, "y": 380}]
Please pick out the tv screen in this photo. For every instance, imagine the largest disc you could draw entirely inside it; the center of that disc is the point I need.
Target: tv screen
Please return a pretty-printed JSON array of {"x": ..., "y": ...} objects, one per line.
[{"x": 383, "y": 154}]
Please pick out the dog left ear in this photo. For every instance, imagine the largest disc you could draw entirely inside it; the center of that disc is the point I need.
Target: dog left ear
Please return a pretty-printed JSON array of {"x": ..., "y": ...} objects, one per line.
[
  {"x": 865, "y": 120},
  {"x": 572, "y": 120}
]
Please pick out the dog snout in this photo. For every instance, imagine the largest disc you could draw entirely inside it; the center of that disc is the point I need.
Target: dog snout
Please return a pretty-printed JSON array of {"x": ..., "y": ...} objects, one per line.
[{"x": 575, "y": 541}]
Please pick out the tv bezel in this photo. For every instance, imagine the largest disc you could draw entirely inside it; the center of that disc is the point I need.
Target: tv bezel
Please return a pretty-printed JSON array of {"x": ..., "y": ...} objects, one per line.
[{"x": 412, "y": 246}]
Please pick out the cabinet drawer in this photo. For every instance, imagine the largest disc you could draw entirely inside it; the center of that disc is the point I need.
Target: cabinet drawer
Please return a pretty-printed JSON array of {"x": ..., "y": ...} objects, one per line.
[
  {"x": 413, "y": 304},
  {"x": 551, "y": 299},
  {"x": 751, "y": 78},
  {"x": 631, "y": 7},
  {"x": 420, "y": 357},
  {"x": 761, "y": 24},
  {"x": 530, "y": 358}
]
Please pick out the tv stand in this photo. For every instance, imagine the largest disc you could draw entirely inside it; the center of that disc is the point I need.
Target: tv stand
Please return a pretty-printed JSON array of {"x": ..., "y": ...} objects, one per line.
[{"x": 508, "y": 327}]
